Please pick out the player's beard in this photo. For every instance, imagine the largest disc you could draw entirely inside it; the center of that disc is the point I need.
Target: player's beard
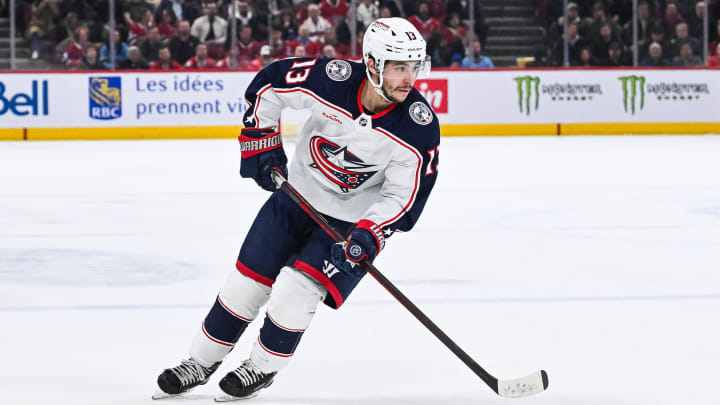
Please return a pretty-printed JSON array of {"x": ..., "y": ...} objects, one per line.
[{"x": 390, "y": 92}]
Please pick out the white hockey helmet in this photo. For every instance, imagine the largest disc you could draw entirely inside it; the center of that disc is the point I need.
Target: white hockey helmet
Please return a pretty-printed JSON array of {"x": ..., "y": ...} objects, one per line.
[{"x": 393, "y": 39}]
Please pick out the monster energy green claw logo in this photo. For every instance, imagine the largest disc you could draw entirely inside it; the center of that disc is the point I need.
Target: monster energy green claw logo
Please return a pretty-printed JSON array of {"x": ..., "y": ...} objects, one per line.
[
  {"x": 630, "y": 87},
  {"x": 527, "y": 87}
]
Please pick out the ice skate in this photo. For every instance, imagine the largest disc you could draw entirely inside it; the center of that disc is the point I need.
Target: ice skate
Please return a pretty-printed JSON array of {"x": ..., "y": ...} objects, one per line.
[
  {"x": 243, "y": 383},
  {"x": 180, "y": 379}
]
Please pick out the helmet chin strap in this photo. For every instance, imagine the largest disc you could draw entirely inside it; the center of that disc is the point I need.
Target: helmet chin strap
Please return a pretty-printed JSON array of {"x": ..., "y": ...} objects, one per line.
[{"x": 378, "y": 87}]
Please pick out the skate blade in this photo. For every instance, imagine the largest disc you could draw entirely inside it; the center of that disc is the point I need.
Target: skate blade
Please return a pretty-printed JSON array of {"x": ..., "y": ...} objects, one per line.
[
  {"x": 230, "y": 398},
  {"x": 162, "y": 395}
]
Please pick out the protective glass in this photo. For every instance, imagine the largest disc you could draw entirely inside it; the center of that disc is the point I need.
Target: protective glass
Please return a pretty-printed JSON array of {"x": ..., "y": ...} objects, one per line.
[{"x": 410, "y": 70}]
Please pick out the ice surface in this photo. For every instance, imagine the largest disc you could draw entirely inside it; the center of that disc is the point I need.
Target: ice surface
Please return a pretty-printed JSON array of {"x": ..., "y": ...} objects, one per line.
[{"x": 595, "y": 258}]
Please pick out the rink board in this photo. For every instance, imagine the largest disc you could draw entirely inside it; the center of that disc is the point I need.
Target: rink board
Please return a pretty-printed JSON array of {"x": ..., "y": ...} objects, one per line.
[{"x": 202, "y": 104}]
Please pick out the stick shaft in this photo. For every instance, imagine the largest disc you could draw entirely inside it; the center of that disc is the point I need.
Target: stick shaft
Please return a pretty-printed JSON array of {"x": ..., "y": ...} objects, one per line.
[{"x": 388, "y": 285}]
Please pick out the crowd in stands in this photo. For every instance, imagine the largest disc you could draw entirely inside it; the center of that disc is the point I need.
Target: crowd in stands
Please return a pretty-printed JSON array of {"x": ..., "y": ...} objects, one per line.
[
  {"x": 600, "y": 33},
  {"x": 175, "y": 34}
]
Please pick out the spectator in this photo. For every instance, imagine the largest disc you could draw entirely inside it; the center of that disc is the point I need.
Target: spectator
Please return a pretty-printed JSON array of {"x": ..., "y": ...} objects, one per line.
[
  {"x": 586, "y": 59},
  {"x": 714, "y": 61},
  {"x": 593, "y": 32},
  {"x": 139, "y": 30},
  {"x": 454, "y": 30},
  {"x": 438, "y": 10},
  {"x": 672, "y": 18},
  {"x": 150, "y": 46},
  {"x": 557, "y": 28},
  {"x": 656, "y": 35},
  {"x": 540, "y": 58},
  {"x": 617, "y": 56},
  {"x": 245, "y": 15},
  {"x": 201, "y": 60},
  {"x": 715, "y": 40},
  {"x": 289, "y": 26},
  {"x": 312, "y": 48},
  {"x": 121, "y": 49},
  {"x": 456, "y": 61},
  {"x": 75, "y": 51},
  {"x": 575, "y": 44},
  {"x": 329, "y": 51},
  {"x": 315, "y": 23},
  {"x": 183, "y": 44},
  {"x": 686, "y": 57},
  {"x": 167, "y": 28},
  {"x": 248, "y": 48},
  {"x": 42, "y": 23},
  {"x": 134, "y": 11},
  {"x": 330, "y": 38},
  {"x": 67, "y": 31},
  {"x": 695, "y": 20},
  {"x": 425, "y": 24},
  {"x": 385, "y": 12},
  {"x": 280, "y": 49},
  {"x": 134, "y": 61},
  {"x": 334, "y": 10},
  {"x": 601, "y": 46},
  {"x": 90, "y": 60},
  {"x": 164, "y": 61},
  {"x": 682, "y": 38},
  {"x": 181, "y": 10},
  {"x": 264, "y": 59},
  {"x": 210, "y": 28},
  {"x": 476, "y": 60},
  {"x": 655, "y": 56},
  {"x": 95, "y": 26},
  {"x": 300, "y": 52},
  {"x": 367, "y": 12},
  {"x": 645, "y": 26}
]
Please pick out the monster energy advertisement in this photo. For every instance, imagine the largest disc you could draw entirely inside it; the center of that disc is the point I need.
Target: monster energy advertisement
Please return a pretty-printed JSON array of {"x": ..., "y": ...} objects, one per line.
[{"x": 530, "y": 89}]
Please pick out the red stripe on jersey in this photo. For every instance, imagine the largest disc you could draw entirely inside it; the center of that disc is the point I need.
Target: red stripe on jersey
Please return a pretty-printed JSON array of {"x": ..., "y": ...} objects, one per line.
[
  {"x": 231, "y": 311},
  {"x": 253, "y": 275},
  {"x": 322, "y": 279},
  {"x": 362, "y": 110},
  {"x": 280, "y": 326},
  {"x": 220, "y": 342},
  {"x": 417, "y": 176}
]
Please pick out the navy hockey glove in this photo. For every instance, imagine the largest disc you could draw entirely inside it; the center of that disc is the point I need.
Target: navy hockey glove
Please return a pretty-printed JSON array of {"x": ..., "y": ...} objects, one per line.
[
  {"x": 366, "y": 241},
  {"x": 261, "y": 150}
]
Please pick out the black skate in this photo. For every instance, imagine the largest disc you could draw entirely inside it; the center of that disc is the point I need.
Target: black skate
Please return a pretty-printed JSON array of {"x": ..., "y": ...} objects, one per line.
[
  {"x": 177, "y": 380},
  {"x": 244, "y": 382}
]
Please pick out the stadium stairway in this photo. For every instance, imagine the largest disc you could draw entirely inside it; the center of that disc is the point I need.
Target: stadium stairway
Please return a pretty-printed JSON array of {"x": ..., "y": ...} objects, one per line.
[
  {"x": 513, "y": 32},
  {"x": 22, "y": 51}
]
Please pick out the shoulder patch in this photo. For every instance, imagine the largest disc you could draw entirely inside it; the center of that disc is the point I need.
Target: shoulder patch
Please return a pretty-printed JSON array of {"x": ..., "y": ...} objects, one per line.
[
  {"x": 420, "y": 113},
  {"x": 338, "y": 70}
]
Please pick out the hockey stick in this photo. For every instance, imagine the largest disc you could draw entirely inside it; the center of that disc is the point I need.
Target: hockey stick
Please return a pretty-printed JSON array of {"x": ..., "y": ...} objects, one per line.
[{"x": 514, "y": 388}]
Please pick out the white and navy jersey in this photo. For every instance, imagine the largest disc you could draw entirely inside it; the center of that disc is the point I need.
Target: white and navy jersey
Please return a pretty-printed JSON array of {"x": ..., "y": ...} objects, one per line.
[{"x": 349, "y": 164}]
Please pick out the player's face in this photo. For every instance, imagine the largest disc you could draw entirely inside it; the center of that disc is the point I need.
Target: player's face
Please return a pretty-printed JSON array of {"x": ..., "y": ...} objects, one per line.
[{"x": 399, "y": 78}]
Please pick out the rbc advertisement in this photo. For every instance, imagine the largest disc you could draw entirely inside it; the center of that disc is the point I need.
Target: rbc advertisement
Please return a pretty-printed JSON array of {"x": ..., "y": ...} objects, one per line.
[{"x": 107, "y": 99}]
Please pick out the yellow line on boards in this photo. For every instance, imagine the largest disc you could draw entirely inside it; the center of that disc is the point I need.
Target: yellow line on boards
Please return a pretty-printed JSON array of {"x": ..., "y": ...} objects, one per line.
[{"x": 211, "y": 132}]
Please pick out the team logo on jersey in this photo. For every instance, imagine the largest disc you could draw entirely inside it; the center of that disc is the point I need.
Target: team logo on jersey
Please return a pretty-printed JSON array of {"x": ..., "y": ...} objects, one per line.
[
  {"x": 338, "y": 70},
  {"x": 420, "y": 113},
  {"x": 338, "y": 165}
]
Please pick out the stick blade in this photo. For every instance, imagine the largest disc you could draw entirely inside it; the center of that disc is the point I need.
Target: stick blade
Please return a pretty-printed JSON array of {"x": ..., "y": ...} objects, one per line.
[{"x": 529, "y": 385}]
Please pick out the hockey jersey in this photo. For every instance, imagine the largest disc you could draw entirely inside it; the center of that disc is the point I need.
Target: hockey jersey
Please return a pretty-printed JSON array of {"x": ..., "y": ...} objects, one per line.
[{"x": 350, "y": 164}]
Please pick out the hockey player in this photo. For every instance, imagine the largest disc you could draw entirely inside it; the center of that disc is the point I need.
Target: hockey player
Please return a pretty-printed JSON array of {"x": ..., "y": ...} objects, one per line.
[{"x": 366, "y": 158}]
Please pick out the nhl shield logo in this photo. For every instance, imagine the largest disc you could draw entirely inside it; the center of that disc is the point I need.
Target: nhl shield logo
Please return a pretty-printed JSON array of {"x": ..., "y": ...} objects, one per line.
[
  {"x": 338, "y": 70},
  {"x": 420, "y": 113}
]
